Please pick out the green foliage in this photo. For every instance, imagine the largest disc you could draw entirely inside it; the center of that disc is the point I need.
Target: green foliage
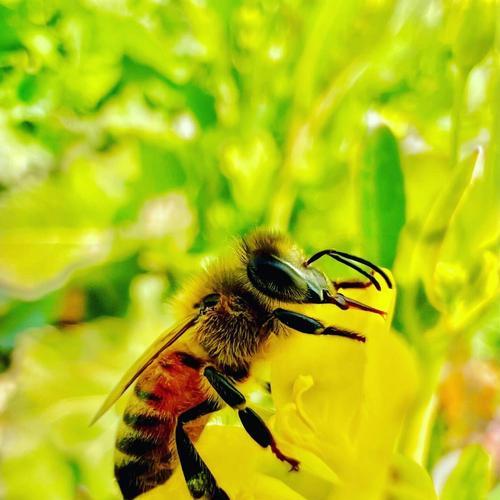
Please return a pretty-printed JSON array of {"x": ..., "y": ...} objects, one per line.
[
  {"x": 475, "y": 34},
  {"x": 382, "y": 196},
  {"x": 138, "y": 138},
  {"x": 470, "y": 478}
]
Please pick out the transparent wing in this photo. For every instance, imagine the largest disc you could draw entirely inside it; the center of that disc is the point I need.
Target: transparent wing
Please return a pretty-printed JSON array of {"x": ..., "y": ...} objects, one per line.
[{"x": 159, "y": 345}]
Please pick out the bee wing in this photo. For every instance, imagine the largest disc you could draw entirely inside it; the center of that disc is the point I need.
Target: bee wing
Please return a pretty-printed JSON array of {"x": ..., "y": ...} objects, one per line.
[{"x": 159, "y": 345}]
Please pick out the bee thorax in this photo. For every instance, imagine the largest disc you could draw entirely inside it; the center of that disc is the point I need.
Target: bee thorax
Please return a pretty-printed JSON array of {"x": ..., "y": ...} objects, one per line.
[{"x": 232, "y": 333}]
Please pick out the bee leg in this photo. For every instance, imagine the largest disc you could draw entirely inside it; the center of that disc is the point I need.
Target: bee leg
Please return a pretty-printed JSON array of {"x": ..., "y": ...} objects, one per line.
[
  {"x": 306, "y": 324},
  {"x": 344, "y": 303},
  {"x": 260, "y": 433},
  {"x": 251, "y": 421},
  {"x": 354, "y": 284},
  {"x": 199, "y": 480}
]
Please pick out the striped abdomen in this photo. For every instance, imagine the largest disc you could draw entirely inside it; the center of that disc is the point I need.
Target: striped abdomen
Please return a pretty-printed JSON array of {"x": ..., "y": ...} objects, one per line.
[{"x": 146, "y": 454}]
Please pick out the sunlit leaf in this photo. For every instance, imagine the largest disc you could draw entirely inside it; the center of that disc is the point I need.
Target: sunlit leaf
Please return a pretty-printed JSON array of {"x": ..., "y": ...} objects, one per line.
[
  {"x": 467, "y": 273},
  {"x": 475, "y": 33},
  {"x": 52, "y": 229}
]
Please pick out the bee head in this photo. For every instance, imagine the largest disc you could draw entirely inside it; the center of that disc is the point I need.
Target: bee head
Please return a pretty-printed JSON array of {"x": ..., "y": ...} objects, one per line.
[{"x": 276, "y": 267}]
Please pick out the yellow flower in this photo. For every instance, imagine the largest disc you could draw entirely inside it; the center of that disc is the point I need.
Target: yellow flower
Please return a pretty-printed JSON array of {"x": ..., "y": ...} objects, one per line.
[{"x": 340, "y": 406}]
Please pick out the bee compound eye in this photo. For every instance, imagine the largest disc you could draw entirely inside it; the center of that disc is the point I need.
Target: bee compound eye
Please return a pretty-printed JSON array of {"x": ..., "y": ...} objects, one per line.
[{"x": 276, "y": 278}]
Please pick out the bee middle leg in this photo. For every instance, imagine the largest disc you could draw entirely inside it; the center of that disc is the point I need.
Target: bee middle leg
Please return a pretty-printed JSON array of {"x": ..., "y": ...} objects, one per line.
[
  {"x": 251, "y": 421},
  {"x": 306, "y": 324},
  {"x": 199, "y": 480}
]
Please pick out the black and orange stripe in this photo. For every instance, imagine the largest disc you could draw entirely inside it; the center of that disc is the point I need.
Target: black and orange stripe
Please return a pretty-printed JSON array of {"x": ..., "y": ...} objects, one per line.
[
  {"x": 145, "y": 456},
  {"x": 146, "y": 453}
]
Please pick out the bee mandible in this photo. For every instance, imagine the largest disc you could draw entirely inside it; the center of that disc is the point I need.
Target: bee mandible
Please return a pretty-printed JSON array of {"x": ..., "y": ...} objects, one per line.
[{"x": 229, "y": 314}]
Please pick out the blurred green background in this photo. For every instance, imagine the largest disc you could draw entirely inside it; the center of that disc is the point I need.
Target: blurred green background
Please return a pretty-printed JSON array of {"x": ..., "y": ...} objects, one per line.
[{"x": 139, "y": 137}]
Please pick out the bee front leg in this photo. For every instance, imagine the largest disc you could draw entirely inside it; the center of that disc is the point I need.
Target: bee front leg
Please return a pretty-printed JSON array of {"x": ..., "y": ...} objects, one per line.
[
  {"x": 199, "y": 480},
  {"x": 344, "y": 303},
  {"x": 352, "y": 284},
  {"x": 306, "y": 324},
  {"x": 251, "y": 421}
]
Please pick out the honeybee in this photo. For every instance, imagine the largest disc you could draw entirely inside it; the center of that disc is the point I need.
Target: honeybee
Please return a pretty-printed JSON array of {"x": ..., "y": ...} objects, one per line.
[{"x": 191, "y": 371}]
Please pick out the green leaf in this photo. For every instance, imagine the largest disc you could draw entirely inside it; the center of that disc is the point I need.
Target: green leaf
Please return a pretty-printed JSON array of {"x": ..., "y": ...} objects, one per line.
[
  {"x": 494, "y": 494},
  {"x": 49, "y": 230},
  {"x": 27, "y": 89},
  {"x": 202, "y": 104},
  {"x": 46, "y": 465},
  {"x": 469, "y": 480},
  {"x": 382, "y": 196},
  {"x": 464, "y": 280},
  {"x": 421, "y": 243},
  {"x": 9, "y": 39},
  {"x": 161, "y": 171},
  {"x": 24, "y": 315},
  {"x": 476, "y": 33}
]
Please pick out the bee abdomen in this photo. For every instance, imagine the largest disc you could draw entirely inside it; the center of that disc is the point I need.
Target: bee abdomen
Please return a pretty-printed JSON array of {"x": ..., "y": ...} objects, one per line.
[
  {"x": 136, "y": 446},
  {"x": 144, "y": 422},
  {"x": 137, "y": 476},
  {"x": 146, "y": 453},
  {"x": 144, "y": 456}
]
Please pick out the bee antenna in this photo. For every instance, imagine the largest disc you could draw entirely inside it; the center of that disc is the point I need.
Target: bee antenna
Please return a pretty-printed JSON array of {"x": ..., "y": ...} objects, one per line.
[
  {"x": 366, "y": 263},
  {"x": 357, "y": 268},
  {"x": 345, "y": 259}
]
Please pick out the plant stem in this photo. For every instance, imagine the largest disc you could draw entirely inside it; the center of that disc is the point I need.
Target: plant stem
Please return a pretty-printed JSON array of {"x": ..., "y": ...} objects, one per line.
[{"x": 457, "y": 113}]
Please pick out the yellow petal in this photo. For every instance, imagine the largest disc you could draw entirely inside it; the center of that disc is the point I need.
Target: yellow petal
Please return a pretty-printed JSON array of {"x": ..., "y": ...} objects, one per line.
[
  {"x": 345, "y": 401},
  {"x": 269, "y": 488},
  {"x": 409, "y": 481},
  {"x": 247, "y": 471},
  {"x": 389, "y": 387}
]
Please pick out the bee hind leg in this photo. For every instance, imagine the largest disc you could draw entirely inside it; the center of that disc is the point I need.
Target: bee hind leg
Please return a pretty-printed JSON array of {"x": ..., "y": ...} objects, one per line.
[
  {"x": 199, "y": 480},
  {"x": 251, "y": 421}
]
